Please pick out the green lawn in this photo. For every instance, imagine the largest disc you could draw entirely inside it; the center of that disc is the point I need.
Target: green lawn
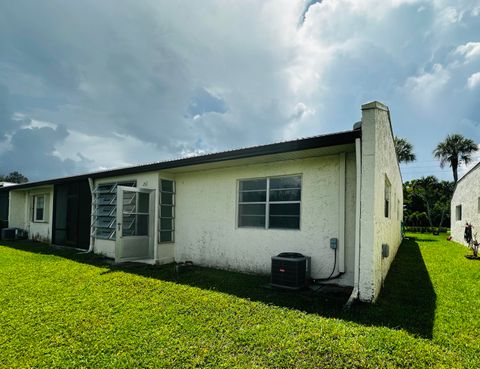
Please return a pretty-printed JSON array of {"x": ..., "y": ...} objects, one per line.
[{"x": 61, "y": 309}]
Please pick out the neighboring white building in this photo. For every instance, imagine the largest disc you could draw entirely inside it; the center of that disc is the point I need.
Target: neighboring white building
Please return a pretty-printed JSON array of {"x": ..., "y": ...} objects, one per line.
[
  {"x": 236, "y": 209},
  {"x": 465, "y": 205}
]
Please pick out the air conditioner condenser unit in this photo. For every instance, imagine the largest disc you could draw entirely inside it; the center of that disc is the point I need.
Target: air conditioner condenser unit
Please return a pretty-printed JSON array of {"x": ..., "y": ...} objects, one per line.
[
  {"x": 12, "y": 234},
  {"x": 290, "y": 270}
]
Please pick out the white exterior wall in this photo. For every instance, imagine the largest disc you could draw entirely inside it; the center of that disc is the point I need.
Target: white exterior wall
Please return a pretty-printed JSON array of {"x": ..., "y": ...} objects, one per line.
[
  {"x": 467, "y": 194},
  {"x": 378, "y": 162},
  {"x": 206, "y": 217},
  {"x": 206, "y": 229},
  {"x": 20, "y": 213}
]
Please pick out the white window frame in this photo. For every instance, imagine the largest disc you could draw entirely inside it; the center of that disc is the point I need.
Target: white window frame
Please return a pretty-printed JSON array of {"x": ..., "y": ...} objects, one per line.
[
  {"x": 267, "y": 203},
  {"x": 35, "y": 207}
]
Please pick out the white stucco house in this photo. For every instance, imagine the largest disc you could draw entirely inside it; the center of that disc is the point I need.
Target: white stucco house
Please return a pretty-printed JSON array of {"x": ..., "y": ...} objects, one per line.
[
  {"x": 465, "y": 205},
  {"x": 237, "y": 209}
]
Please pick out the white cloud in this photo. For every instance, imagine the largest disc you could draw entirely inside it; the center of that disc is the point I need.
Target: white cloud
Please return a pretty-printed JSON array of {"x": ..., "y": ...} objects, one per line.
[
  {"x": 114, "y": 151},
  {"x": 33, "y": 123},
  {"x": 115, "y": 83},
  {"x": 427, "y": 84},
  {"x": 473, "y": 80},
  {"x": 300, "y": 115},
  {"x": 470, "y": 50},
  {"x": 450, "y": 15}
]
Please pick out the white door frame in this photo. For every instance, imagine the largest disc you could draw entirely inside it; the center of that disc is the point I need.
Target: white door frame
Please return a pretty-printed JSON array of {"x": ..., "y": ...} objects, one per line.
[{"x": 134, "y": 247}]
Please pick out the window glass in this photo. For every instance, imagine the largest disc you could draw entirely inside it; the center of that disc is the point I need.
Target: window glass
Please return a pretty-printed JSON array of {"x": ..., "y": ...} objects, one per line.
[
  {"x": 166, "y": 224},
  {"x": 166, "y": 198},
  {"x": 252, "y": 209},
  {"x": 284, "y": 222},
  {"x": 284, "y": 215},
  {"x": 280, "y": 209},
  {"x": 285, "y": 209},
  {"x": 166, "y": 186},
  {"x": 387, "y": 197},
  {"x": 285, "y": 195},
  {"x": 39, "y": 209},
  {"x": 253, "y": 196},
  {"x": 251, "y": 221},
  {"x": 166, "y": 213},
  {"x": 253, "y": 184},
  {"x": 285, "y": 182},
  {"x": 166, "y": 236},
  {"x": 143, "y": 202}
]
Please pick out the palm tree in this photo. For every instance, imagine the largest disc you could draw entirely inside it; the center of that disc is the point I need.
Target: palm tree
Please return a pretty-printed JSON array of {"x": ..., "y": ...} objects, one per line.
[
  {"x": 404, "y": 150},
  {"x": 455, "y": 150}
]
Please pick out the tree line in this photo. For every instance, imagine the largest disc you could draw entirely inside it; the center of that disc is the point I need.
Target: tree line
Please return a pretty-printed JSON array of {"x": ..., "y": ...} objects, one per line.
[
  {"x": 427, "y": 200},
  {"x": 13, "y": 177}
]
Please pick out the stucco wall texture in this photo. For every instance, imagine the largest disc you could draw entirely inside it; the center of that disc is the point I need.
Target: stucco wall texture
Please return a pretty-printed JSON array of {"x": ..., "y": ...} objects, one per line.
[
  {"x": 379, "y": 165},
  {"x": 20, "y": 213},
  {"x": 206, "y": 229},
  {"x": 206, "y": 225},
  {"x": 467, "y": 194}
]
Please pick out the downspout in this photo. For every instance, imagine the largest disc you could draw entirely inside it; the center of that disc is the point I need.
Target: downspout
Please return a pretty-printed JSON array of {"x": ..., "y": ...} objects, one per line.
[
  {"x": 356, "y": 271},
  {"x": 28, "y": 212},
  {"x": 341, "y": 231}
]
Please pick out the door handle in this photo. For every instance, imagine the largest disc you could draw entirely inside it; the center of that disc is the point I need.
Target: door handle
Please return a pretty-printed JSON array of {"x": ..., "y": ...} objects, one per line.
[{"x": 118, "y": 226}]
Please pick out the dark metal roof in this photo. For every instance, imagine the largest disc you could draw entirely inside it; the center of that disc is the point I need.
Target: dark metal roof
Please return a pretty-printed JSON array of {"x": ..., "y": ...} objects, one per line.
[{"x": 335, "y": 139}]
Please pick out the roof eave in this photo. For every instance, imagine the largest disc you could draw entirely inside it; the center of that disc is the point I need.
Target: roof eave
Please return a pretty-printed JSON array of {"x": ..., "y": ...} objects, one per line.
[{"x": 335, "y": 139}]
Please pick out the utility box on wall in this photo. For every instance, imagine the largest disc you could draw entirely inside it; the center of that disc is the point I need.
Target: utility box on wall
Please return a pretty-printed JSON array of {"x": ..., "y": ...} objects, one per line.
[
  {"x": 385, "y": 250},
  {"x": 290, "y": 270}
]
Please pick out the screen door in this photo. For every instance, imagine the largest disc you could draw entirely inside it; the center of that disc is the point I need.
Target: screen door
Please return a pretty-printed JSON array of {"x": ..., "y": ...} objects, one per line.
[{"x": 135, "y": 222}]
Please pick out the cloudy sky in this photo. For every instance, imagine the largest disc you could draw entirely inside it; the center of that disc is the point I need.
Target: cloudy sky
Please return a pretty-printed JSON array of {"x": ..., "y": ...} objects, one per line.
[{"x": 87, "y": 85}]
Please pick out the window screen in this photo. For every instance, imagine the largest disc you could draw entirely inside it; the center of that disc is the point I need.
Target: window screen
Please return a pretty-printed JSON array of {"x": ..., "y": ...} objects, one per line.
[{"x": 105, "y": 209}]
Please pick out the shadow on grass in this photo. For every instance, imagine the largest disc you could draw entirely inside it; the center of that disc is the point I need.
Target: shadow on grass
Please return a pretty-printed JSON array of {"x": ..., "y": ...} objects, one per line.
[
  {"x": 428, "y": 240},
  {"x": 407, "y": 300}
]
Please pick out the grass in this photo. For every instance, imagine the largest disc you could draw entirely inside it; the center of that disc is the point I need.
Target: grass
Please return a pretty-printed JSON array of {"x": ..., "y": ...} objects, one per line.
[{"x": 62, "y": 309}]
